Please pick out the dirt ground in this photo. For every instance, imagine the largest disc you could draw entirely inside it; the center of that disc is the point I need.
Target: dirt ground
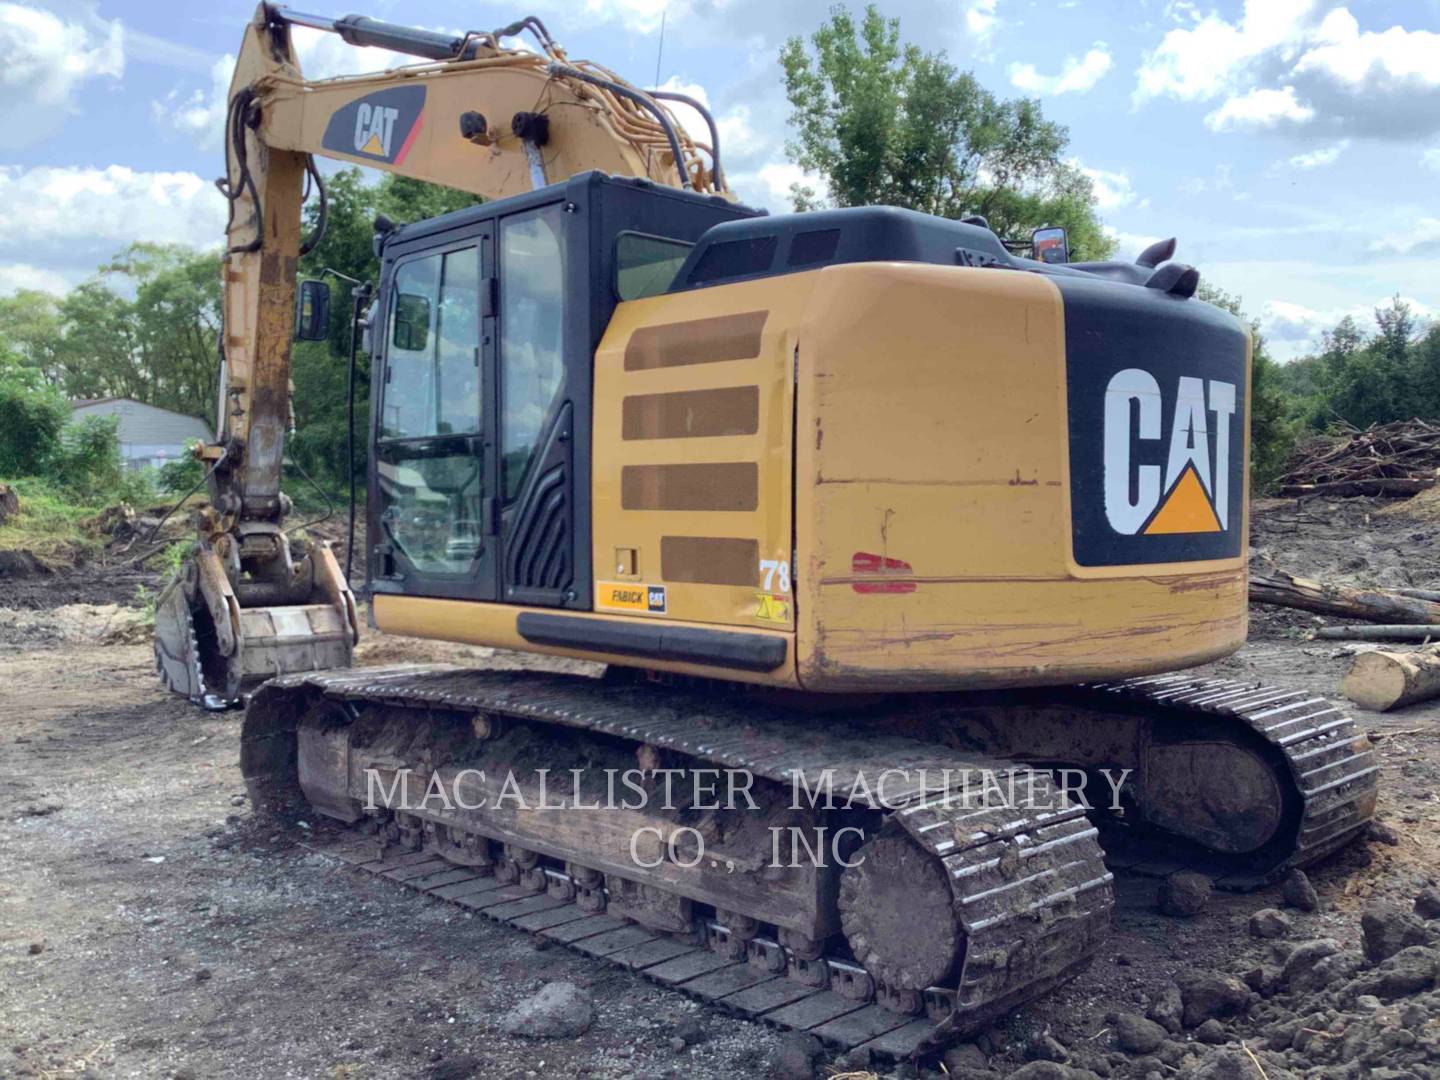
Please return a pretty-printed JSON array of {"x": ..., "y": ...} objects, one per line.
[{"x": 149, "y": 927}]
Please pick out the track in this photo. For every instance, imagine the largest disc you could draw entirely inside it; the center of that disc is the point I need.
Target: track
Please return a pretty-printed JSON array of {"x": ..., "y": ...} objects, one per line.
[
  {"x": 1030, "y": 889},
  {"x": 1329, "y": 760},
  {"x": 1024, "y": 880}
]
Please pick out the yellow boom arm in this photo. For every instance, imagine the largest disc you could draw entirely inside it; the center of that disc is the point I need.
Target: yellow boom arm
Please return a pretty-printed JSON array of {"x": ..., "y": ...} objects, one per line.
[{"x": 470, "y": 114}]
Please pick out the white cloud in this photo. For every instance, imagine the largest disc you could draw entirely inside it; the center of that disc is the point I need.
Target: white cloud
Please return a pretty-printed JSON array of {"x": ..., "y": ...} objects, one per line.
[
  {"x": 981, "y": 21},
  {"x": 1293, "y": 64},
  {"x": 201, "y": 114},
  {"x": 17, "y": 276},
  {"x": 1128, "y": 245},
  {"x": 1298, "y": 328},
  {"x": 1315, "y": 159},
  {"x": 1345, "y": 54},
  {"x": 1423, "y": 235},
  {"x": 774, "y": 183},
  {"x": 1297, "y": 298},
  {"x": 44, "y": 61},
  {"x": 113, "y": 206},
  {"x": 1222, "y": 179},
  {"x": 323, "y": 55},
  {"x": 1076, "y": 76},
  {"x": 689, "y": 119},
  {"x": 1200, "y": 62},
  {"x": 641, "y": 15},
  {"x": 1112, "y": 189},
  {"x": 57, "y": 224},
  {"x": 1259, "y": 108},
  {"x": 1431, "y": 158}
]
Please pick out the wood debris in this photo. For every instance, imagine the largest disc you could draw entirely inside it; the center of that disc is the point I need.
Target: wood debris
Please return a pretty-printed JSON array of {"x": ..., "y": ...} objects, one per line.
[{"x": 1399, "y": 458}]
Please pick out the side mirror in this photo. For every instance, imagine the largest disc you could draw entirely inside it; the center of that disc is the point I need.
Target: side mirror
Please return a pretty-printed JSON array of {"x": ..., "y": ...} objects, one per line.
[
  {"x": 312, "y": 311},
  {"x": 1050, "y": 245}
]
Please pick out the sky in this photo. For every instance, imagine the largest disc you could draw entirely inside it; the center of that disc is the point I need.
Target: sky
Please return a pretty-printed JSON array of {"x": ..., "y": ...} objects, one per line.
[{"x": 1293, "y": 146}]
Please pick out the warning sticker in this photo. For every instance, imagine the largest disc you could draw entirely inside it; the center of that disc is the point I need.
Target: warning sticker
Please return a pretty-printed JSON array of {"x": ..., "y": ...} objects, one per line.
[
  {"x": 628, "y": 596},
  {"x": 773, "y": 608}
]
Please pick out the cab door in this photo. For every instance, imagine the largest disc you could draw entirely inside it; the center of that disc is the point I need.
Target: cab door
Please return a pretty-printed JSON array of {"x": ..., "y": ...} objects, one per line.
[{"x": 434, "y": 477}]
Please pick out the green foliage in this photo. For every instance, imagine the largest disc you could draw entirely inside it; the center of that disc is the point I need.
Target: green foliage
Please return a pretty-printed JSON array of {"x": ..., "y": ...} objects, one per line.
[
  {"x": 32, "y": 416},
  {"x": 51, "y": 522},
  {"x": 137, "y": 487},
  {"x": 88, "y": 464},
  {"x": 180, "y": 476},
  {"x": 1359, "y": 378},
  {"x": 32, "y": 331},
  {"x": 145, "y": 327},
  {"x": 145, "y": 600},
  {"x": 885, "y": 123},
  {"x": 169, "y": 558}
]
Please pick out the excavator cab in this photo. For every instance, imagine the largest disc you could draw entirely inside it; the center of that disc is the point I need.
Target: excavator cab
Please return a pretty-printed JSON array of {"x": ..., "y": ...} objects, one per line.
[{"x": 484, "y": 337}]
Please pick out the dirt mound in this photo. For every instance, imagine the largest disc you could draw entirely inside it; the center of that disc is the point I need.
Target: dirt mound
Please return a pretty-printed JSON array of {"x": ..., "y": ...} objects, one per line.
[
  {"x": 21, "y": 564},
  {"x": 93, "y": 624}
]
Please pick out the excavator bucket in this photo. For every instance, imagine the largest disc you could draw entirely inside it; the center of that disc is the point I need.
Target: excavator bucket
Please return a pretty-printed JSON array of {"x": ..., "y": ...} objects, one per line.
[{"x": 213, "y": 649}]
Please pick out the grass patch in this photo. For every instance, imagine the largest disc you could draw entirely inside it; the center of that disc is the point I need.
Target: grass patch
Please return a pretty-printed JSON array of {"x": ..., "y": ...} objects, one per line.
[{"x": 50, "y": 524}]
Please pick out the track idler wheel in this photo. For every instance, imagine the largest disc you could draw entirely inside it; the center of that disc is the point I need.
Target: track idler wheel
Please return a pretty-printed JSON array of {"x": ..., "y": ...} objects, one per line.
[{"x": 898, "y": 913}]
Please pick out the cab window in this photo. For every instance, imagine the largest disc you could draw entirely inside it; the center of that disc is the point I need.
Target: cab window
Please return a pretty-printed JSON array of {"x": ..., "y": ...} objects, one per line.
[
  {"x": 532, "y": 334},
  {"x": 432, "y": 377}
]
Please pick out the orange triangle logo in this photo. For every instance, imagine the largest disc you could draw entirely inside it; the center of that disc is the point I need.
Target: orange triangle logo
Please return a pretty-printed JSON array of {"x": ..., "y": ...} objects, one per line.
[
  {"x": 1186, "y": 509},
  {"x": 373, "y": 147}
]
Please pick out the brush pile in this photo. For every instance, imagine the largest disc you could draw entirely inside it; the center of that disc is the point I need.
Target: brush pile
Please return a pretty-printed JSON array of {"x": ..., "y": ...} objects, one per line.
[{"x": 1400, "y": 458}]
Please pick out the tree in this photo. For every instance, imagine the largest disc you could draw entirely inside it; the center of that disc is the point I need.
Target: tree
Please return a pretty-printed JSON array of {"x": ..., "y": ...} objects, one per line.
[
  {"x": 1366, "y": 379},
  {"x": 177, "y": 311},
  {"x": 30, "y": 331},
  {"x": 885, "y": 123},
  {"x": 32, "y": 417},
  {"x": 1424, "y": 370},
  {"x": 144, "y": 327}
]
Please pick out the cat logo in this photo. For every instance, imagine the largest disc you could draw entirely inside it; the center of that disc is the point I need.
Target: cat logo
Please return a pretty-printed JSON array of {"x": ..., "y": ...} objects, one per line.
[
  {"x": 374, "y": 128},
  {"x": 1156, "y": 395},
  {"x": 1191, "y": 492},
  {"x": 381, "y": 127}
]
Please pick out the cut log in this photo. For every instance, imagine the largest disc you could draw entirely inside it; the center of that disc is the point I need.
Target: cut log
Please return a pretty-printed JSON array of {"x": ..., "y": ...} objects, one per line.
[
  {"x": 9, "y": 503},
  {"x": 1275, "y": 586},
  {"x": 1387, "y": 680},
  {"x": 1392, "y": 632},
  {"x": 1420, "y": 594}
]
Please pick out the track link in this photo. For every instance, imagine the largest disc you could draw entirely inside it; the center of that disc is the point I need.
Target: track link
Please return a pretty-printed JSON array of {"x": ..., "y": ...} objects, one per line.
[
  {"x": 1030, "y": 890},
  {"x": 1329, "y": 759}
]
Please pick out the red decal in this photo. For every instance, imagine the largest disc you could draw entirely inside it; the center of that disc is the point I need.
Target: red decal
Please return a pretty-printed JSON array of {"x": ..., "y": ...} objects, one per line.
[
  {"x": 864, "y": 562},
  {"x": 410, "y": 139}
]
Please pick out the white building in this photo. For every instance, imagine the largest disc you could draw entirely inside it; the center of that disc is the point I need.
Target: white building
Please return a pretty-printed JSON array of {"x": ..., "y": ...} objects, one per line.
[{"x": 148, "y": 436}]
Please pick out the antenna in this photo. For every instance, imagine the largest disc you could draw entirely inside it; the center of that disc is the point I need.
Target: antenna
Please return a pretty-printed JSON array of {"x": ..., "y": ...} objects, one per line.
[{"x": 660, "y": 52}]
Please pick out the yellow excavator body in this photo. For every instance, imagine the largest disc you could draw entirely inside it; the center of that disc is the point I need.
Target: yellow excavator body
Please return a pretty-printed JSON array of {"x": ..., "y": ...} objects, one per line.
[{"x": 824, "y": 459}]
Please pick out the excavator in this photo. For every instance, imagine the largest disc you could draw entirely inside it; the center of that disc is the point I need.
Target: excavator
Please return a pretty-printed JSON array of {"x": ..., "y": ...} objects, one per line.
[{"x": 849, "y": 504}]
